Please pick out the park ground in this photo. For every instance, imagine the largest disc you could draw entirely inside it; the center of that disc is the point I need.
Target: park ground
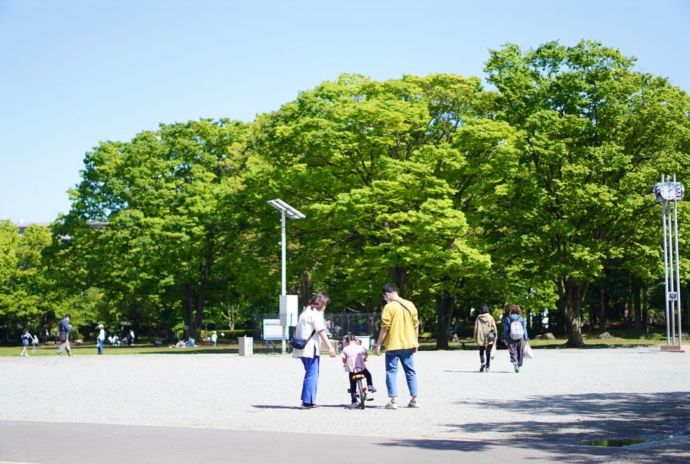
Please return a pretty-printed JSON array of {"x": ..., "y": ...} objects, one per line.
[{"x": 227, "y": 408}]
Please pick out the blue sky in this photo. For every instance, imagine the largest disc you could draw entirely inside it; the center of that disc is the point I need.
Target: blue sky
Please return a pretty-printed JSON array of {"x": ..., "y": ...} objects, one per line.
[{"x": 76, "y": 72}]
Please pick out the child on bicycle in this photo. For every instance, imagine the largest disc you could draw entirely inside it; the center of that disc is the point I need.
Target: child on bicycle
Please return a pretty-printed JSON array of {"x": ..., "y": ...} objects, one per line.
[{"x": 354, "y": 357}]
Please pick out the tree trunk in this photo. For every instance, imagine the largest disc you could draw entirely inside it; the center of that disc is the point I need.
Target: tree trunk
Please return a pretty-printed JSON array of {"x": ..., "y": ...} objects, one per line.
[
  {"x": 571, "y": 294},
  {"x": 398, "y": 276},
  {"x": 637, "y": 303},
  {"x": 603, "y": 309},
  {"x": 187, "y": 304},
  {"x": 444, "y": 313}
]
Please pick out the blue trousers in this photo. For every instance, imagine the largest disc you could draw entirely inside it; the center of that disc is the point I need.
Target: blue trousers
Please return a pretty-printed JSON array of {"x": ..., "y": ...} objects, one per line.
[
  {"x": 407, "y": 360},
  {"x": 100, "y": 346},
  {"x": 311, "y": 379}
]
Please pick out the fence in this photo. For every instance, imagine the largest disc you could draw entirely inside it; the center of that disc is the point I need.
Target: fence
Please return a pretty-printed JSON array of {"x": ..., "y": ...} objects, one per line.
[{"x": 337, "y": 324}]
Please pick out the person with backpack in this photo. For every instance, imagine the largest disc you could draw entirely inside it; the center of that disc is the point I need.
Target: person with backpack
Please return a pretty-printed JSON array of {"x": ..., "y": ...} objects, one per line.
[
  {"x": 485, "y": 334},
  {"x": 515, "y": 336}
]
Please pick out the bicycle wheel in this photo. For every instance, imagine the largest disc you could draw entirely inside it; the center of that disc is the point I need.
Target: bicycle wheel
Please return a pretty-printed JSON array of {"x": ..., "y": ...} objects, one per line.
[{"x": 362, "y": 394}]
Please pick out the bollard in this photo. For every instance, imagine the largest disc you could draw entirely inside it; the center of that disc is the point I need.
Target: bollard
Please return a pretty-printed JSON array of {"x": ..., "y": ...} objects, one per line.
[{"x": 246, "y": 346}]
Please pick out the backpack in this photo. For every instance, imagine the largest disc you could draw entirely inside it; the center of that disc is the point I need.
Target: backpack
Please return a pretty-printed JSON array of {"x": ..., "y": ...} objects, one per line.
[
  {"x": 489, "y": 334},
  {"x": 516, "y": 330}
]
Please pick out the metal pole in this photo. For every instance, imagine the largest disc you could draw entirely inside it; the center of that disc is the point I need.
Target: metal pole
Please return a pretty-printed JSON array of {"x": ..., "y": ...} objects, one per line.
[
  {"x": 283, "y": 269},
  {"x": 666, "y": 289},
  {"x": 678, "y": 300},
  {"x": 283, "y": 242},
  {"x": 672, "y": 279}
]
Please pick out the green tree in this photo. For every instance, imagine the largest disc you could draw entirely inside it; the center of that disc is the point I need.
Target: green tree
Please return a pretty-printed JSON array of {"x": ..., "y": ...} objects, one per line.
[
  {"x": 378, "y": 169},
  {"x": 160, "y": 195},
  {"x": 595, "y": 136}
]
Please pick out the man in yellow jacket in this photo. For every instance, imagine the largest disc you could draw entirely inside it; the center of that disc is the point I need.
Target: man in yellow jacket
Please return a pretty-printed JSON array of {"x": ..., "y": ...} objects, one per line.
[{"x": 400, "y": 333}]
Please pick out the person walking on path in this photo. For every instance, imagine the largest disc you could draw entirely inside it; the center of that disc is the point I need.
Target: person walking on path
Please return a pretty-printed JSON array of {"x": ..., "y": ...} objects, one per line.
[
  {"x": 515, "y": 335},
  {"x": 311, "y": 326},
  {"x": 26, "y": 341},
  {"x": 100, "y": 339},
  {"x": 64, "y": 328},
  {"x": 485, "y": 334},
  {"x": 214, "y": 338},
  {"x": 34, "y": 343},
  {"x": 399, "y": 333}
]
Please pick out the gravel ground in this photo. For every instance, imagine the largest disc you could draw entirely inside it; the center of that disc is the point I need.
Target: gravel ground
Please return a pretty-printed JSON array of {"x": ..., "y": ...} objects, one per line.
[{"x": 561, "y": 396}]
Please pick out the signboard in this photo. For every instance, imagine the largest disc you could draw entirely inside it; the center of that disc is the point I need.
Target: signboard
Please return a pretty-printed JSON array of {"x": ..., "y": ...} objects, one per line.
[{"x": 273, "y": 330}]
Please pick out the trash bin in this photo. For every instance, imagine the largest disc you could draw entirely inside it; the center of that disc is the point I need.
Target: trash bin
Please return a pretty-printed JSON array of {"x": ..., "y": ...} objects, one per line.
[{"x": 246, "y": 346}]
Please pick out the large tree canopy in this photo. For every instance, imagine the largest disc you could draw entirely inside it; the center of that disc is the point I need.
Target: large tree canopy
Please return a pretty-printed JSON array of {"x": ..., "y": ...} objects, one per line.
[
  {"x": 536, "y": 192},
  {"x": 595, "y": 136}
]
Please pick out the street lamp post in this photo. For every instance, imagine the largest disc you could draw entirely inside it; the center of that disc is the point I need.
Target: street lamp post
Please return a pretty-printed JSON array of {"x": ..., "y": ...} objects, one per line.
[
  {"x": 669, "y": 193},
  {"x": 288, "y": 303}
]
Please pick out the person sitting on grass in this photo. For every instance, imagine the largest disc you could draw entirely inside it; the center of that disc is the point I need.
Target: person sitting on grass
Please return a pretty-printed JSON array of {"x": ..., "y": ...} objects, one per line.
[{"x": 354, "y": 357}]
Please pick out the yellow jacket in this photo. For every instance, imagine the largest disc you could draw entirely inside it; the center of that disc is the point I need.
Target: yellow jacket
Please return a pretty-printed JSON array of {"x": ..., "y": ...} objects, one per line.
[{"x": 401, "y": 324}]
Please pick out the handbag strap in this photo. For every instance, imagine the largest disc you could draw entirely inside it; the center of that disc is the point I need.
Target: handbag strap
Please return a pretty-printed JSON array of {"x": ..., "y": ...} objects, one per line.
[{"x": 401, "y": 304}]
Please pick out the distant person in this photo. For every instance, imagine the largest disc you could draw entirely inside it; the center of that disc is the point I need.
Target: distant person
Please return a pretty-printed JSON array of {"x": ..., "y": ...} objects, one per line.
[
  {"x": 34, "y": 343},
  {"x": 100, "y": 339},
  {"x": 214, "y": 338},
  {"x": 64, "y": 328},
  {"x": 454, "y": 332},
  {"x": 515, "y": 335},
  {"x": 190, "y": 342},
  {"x": 354, "y": 359},
  {"x": 26, "y": 341},
  {"x": 130, "y": 338},
  {"x": 400, "y": 333},
  {"x": 485, "y": 334},
  {"x": 311, "y": 327}
]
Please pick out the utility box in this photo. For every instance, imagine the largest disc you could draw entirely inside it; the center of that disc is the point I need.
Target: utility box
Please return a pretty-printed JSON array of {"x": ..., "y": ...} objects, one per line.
[
  {"x": 246, "y": 346},
  {"x": 289, "y": 310}
]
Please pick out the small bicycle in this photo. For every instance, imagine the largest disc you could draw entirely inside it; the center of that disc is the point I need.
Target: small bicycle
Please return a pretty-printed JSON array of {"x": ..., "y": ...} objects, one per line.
[{"x": 361, "y": 393}]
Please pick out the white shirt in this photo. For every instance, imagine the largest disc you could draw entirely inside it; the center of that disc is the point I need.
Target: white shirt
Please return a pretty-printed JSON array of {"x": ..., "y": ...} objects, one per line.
[
  {"x": 101, "y": 335},
  {"x": 354, "y": 354},
  {"x": 309, "y": 321}
]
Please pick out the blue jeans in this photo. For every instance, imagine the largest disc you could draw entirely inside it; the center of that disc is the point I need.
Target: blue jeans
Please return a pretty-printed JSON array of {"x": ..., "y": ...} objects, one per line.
[
  {"x": 100, "y": 346},
  {"x": 407, "y": 360},
  {"x": 311, "y": 379}
]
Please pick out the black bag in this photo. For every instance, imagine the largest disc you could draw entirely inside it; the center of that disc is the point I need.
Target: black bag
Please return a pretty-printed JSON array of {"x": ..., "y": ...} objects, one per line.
[
  {"x": 300, "y": 343},
  {"x": 490, "y": 337},
  {"x": 62, "y": 336}
]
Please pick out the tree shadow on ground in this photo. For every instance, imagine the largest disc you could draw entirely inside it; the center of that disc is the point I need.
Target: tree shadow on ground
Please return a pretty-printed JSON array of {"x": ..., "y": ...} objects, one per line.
[
  {"x": 283, "y": 406},
  {"x": 661, "y": 418}
]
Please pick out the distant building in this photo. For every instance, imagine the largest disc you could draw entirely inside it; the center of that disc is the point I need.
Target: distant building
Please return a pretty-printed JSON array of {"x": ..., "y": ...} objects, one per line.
[{"x": 97, "y": 225}]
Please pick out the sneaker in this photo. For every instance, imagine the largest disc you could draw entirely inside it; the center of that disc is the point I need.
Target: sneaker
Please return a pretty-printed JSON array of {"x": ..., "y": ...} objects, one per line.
[
  {"x": 487, "y": 369},
  {"x": 371, "y": 389},
  {"x": 308, "y": 406},
  {"x": 481, "y": 368},
  {"x": 413, "y": 403},
  {"x": 353, "y": 405},
  {"x": 391, "y": 405},
  {"x": 515, "y": 367}
]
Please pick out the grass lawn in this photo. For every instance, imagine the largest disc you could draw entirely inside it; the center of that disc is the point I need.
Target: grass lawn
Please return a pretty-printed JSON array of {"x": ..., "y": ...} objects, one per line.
[
  {"x": 90, "y": 350},
  {"x": 467, "y": 343}
]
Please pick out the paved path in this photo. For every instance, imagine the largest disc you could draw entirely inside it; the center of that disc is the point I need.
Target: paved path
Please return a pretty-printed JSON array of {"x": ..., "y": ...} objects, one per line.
[{"x": 234, "y": 409}]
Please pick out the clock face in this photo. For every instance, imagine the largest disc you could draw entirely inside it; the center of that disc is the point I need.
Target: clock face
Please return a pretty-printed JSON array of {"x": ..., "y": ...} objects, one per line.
[{"x": 669, "y": 191}]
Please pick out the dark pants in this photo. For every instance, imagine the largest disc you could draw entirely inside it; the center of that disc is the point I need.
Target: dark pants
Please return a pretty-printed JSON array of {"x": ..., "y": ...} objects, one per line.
[
  {"x": 516, "y": 348},
  {"x": 488, "y": 349},
  {"x": 353, "y": 382}
]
